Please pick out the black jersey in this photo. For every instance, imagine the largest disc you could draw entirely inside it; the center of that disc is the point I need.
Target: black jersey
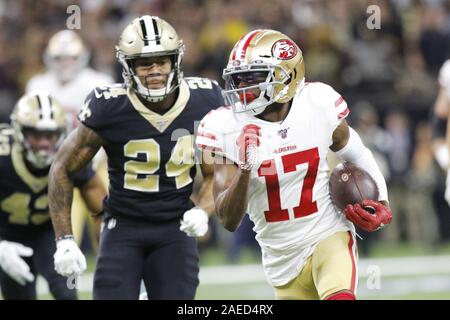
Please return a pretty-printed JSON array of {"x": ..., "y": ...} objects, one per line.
[
  {"x": 23, "y": 196},
  {"x": 151, "y": 161}
]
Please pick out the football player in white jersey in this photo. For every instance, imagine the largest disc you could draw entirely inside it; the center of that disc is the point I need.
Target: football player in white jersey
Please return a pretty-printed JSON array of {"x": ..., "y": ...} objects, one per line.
[
  {"x": 441, "y": 113},
  {"x": 69, "y": 80},
  {"x": 68, "y": 77},
  {"x": 269, "y": 148}
]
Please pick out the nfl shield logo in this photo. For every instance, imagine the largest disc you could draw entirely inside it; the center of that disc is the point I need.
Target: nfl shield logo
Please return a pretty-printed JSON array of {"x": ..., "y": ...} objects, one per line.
[{"x": 283, "y": 133}]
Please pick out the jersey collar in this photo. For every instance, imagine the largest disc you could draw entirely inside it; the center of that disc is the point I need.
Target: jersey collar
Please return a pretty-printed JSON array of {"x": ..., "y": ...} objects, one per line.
[{"x": 161, "y": 122}]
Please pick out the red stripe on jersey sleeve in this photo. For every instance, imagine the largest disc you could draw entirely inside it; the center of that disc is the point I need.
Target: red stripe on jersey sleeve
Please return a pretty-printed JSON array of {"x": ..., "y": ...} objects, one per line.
[
  {"x": 343, "y": 114},
  {"x": 338, "y": 101}
]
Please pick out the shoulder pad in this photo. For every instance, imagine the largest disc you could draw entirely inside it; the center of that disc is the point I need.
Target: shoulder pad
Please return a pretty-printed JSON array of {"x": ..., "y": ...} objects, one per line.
[
  {"x": 329, "y": 101},
  {"x": 220, "y": 119},
  {"x": 110, "y": 91}
]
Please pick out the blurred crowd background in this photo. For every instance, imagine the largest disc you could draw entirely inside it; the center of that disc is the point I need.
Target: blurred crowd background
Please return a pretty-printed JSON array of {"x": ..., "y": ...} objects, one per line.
[{"x": 388, "y": 76}]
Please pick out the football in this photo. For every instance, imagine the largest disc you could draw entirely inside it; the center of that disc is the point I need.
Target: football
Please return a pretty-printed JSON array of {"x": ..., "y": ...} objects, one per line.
[{"x": 350, "y": 184}]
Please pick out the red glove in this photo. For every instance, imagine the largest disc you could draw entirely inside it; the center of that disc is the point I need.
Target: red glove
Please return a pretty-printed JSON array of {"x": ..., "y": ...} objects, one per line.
[
  {"x": 247, "y": 142},
  {"x": 365, "y": 220}
]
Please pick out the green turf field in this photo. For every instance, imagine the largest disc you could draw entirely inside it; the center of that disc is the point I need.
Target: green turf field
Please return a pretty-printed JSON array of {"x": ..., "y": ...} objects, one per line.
[
  {"x": 260, "y": 291},
  {"x": 414, "y": 286}
]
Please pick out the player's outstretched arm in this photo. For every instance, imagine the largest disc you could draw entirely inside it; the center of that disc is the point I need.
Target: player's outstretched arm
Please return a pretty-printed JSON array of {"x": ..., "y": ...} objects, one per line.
[
  {"x": 74, "y": 154},
  {"x": 230, "y": 190}
]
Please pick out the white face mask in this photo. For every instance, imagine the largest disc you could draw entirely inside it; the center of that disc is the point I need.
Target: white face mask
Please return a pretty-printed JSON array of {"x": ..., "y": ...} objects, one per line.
[
  {"x": 41, "y": 159},
  {"x": 242, "y": 99},
  {"x": 174, "y": 78},
  {"x": 155, "y": 95}
]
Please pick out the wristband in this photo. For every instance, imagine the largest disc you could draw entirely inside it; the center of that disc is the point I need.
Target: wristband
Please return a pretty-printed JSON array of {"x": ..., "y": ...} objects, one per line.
[{"x": 65, "y": 237}]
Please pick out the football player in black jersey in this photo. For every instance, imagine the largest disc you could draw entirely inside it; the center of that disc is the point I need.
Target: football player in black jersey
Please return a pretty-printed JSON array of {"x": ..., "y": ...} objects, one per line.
[
  {"x": 27, "y": 243},
  {"x": 146, "y": 126}
]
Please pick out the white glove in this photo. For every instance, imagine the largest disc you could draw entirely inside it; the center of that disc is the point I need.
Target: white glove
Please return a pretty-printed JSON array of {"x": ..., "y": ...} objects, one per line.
[
  {"x": 68, "y": 258},
  {"x": 447, "y": 187},
  {"x": 12, "y": 263},
  {"x": 195, "y": 222}
]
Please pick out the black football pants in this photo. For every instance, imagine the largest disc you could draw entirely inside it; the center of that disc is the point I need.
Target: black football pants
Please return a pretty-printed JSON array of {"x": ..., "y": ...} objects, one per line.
[{"x": 157, "y": 252}]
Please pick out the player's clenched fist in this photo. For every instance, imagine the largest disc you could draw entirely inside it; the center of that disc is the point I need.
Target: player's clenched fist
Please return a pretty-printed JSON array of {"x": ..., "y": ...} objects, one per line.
[
  {"x": 68, "y": 258},
  {"x": 248, "y": 141},
  {"x": 195, "y": 222}
]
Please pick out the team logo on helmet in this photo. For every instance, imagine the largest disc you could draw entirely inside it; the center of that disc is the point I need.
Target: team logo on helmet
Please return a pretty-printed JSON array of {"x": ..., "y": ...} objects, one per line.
[{"x": 284, "y": 49}]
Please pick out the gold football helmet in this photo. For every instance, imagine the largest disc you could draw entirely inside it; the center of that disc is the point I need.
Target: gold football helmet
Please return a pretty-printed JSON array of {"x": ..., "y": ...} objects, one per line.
[
  {"x": 150, "y": 36},
  {"x": 266, "y": 60},
  {"x": 66, "y": 55},
  {"x": 38, "y": 114}
]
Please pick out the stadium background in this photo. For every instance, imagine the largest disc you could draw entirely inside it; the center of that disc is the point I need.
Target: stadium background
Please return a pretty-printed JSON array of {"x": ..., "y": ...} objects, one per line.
[{"x": 388, "y": 77}]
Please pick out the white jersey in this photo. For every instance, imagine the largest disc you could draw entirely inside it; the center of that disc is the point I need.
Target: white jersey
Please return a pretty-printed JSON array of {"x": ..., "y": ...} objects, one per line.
[
  {"x": 70, "y": 95},
  {"x": 289, "y": 199},
  {"x": 444, "y": 77}
]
